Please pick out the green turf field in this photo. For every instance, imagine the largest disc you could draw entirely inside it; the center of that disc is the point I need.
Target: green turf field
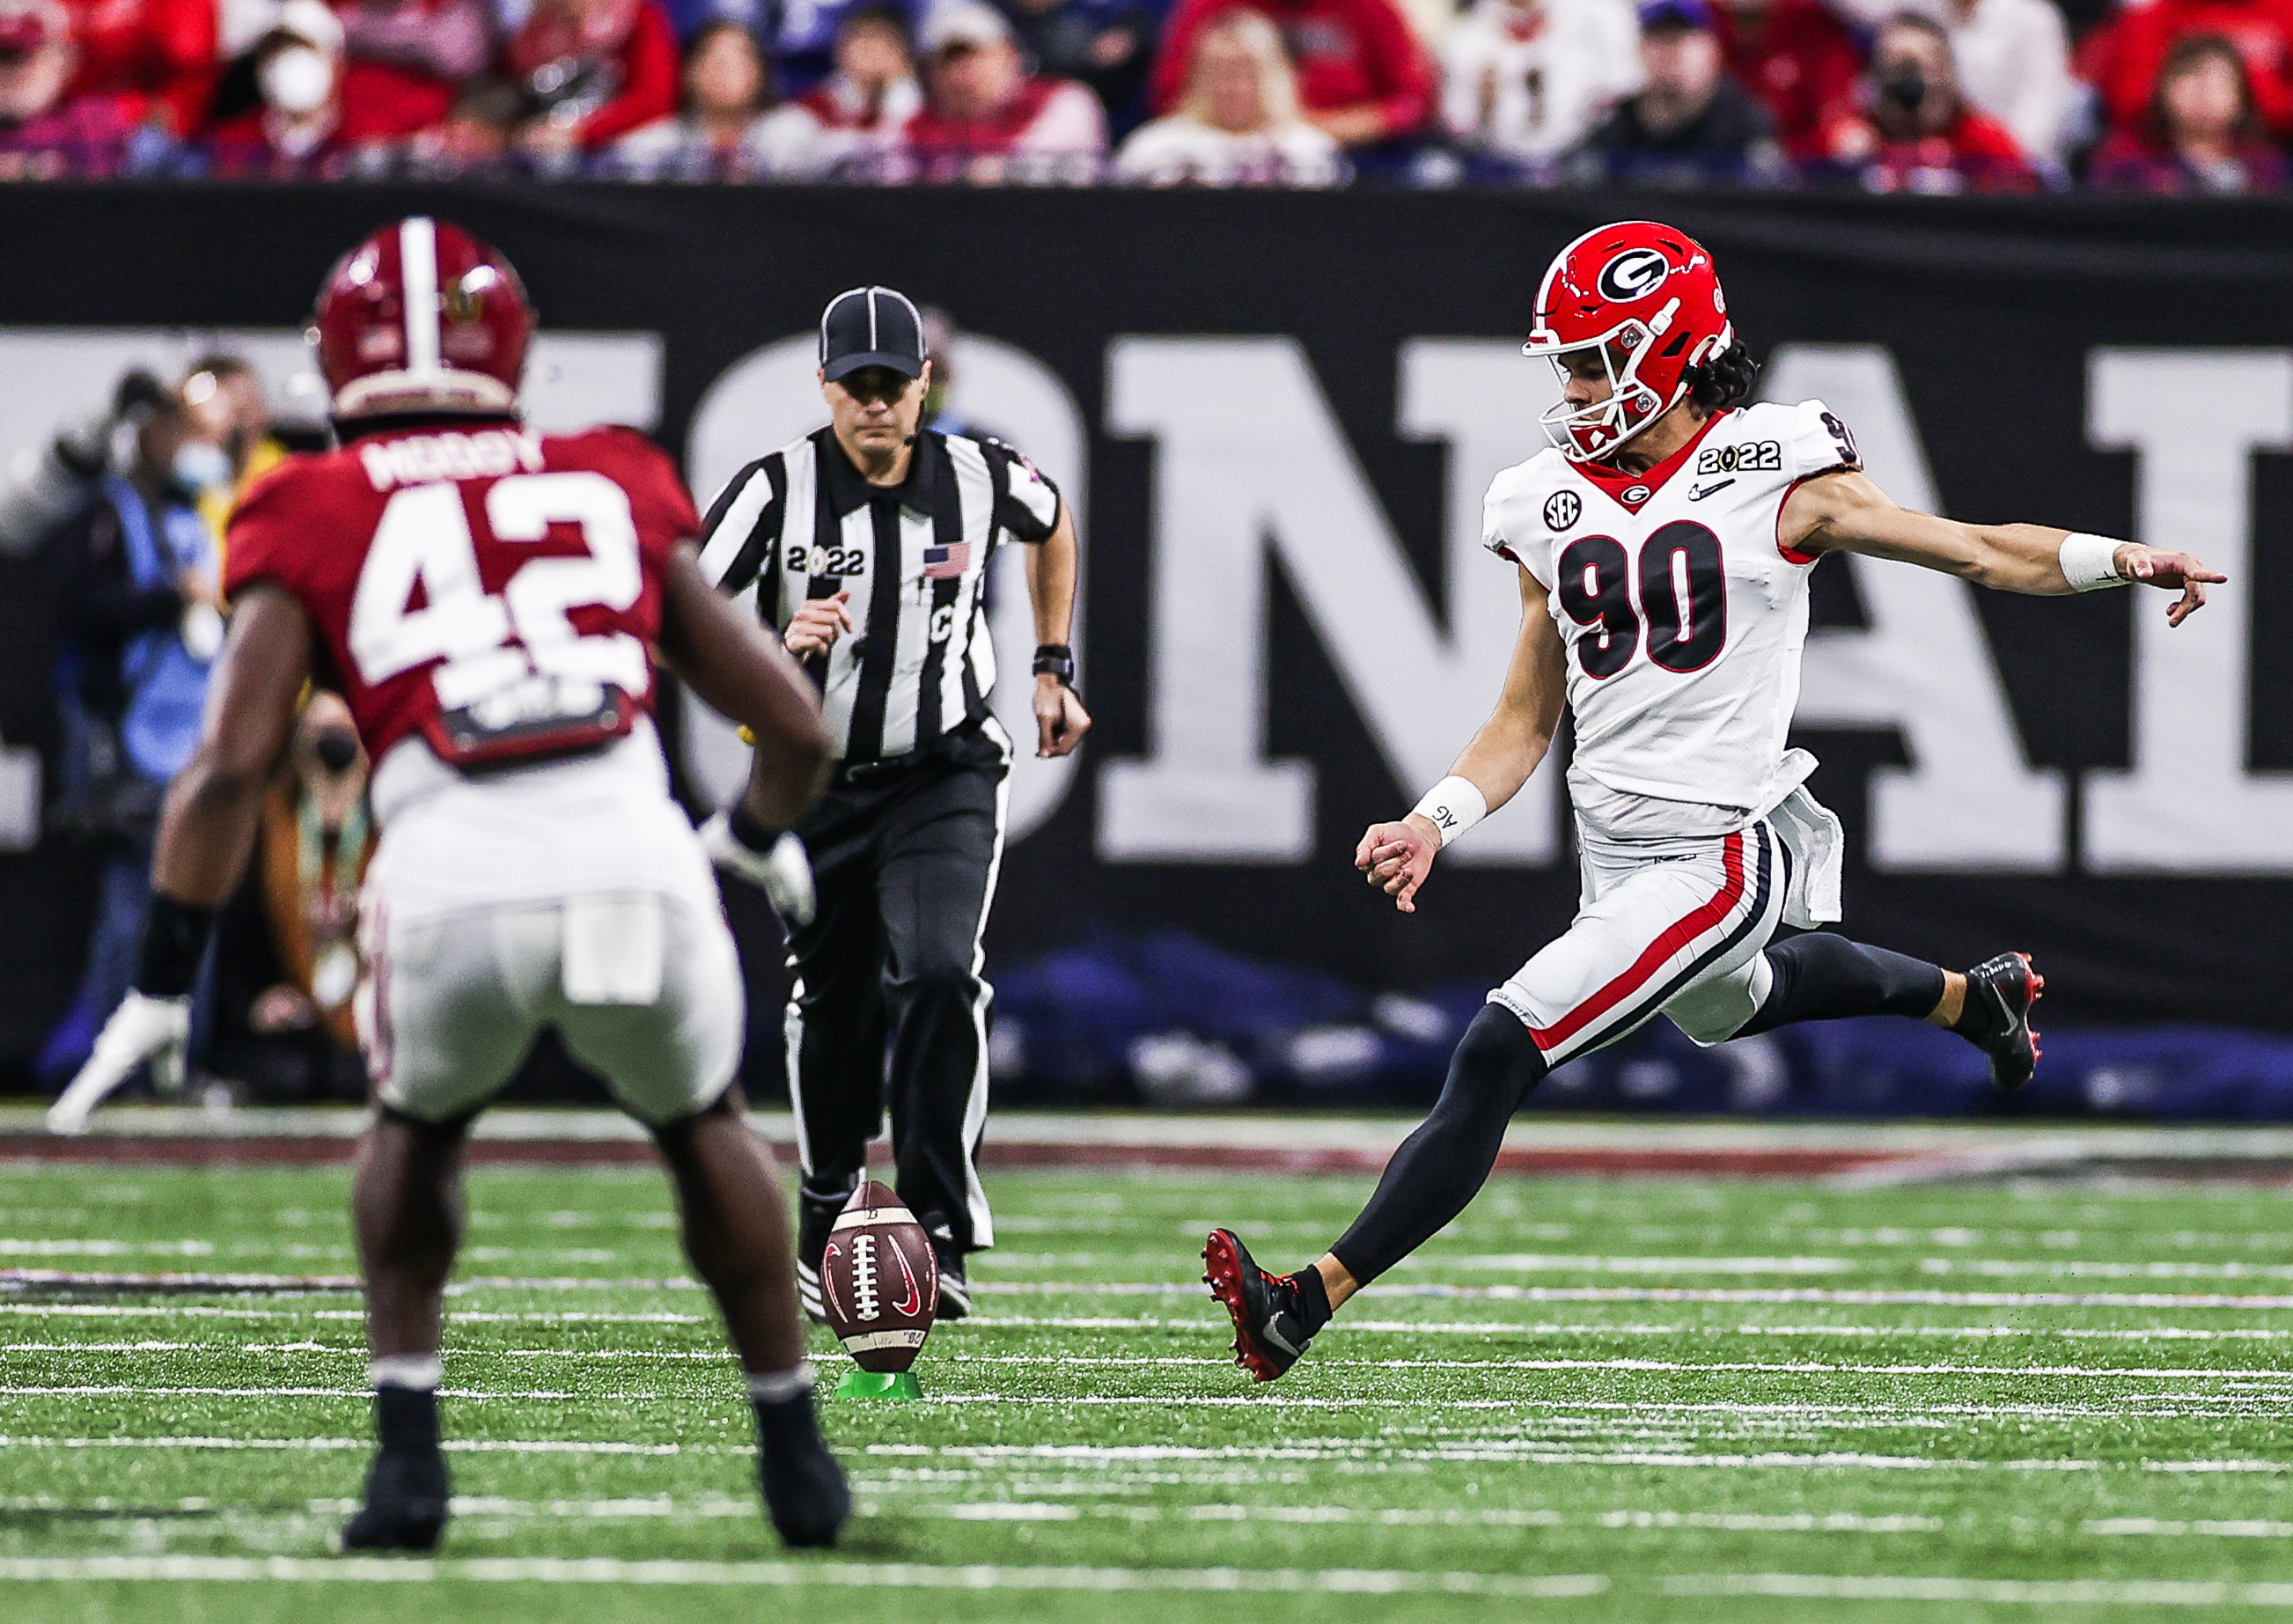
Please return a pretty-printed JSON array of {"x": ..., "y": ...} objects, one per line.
[{"x": 1591, "y": 1399}]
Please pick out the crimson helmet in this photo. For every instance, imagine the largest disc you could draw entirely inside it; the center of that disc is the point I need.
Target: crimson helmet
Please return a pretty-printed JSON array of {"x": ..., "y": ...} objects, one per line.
[
  {"x": 1647, "y": 297},
  {"x": 422, "y": 317}
]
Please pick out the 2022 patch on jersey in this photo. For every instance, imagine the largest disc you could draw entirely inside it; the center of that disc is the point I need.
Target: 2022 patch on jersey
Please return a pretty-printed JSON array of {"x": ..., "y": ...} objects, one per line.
[{"x": 1683, "y": 615}]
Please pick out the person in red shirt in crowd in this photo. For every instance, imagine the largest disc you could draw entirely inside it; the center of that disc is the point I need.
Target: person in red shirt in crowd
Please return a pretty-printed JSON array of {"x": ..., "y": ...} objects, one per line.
[
  {"x": 1917, "y": 132},
  {"x": 2122, "y": 60},
  {"x": 43, "y": 136},
  {"x": 2202, "y": 132},
  {"x": 986, "y": 119},
  {"x": 1798, "y": 58},
  {"x": 322, "y": 114},
  {"x": 591, "y": 71},
  {"x": 162, "y": 52},
  {"x": 447, "y": 39},
  {"x": 1362, "y": 76}
]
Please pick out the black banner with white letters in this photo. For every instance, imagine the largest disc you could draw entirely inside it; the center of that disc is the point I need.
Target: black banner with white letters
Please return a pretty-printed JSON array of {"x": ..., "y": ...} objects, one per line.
[{"x": 1278, "y": 414}]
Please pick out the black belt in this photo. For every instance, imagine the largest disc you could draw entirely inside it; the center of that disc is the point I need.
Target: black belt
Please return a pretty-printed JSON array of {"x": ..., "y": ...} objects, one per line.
[{"x": 859, "y": 775}]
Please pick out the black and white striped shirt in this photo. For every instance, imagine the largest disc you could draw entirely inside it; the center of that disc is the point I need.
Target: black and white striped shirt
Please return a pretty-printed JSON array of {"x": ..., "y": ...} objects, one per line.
[{"x": 802, "y": 523}]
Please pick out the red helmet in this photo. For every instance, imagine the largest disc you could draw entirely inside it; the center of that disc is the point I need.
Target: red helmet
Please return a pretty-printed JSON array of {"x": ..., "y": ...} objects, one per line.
[
  {"x": 1647, "y": 298},
  {"x": 422, "y": 317}
]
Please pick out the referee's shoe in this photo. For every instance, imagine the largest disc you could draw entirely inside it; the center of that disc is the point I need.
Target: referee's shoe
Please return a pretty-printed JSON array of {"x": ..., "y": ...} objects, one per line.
[{"x": 816, "y": 1211}]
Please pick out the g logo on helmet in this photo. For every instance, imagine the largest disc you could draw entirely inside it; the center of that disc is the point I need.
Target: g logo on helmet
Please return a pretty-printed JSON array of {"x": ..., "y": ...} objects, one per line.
[
  {"x": 1562, "y": 509},
  {"x": 1632, "y": 274}
]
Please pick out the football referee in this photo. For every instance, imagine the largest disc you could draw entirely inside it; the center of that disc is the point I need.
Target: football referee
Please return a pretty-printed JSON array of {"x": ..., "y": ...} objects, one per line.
[{"x": 866, "y": 546}]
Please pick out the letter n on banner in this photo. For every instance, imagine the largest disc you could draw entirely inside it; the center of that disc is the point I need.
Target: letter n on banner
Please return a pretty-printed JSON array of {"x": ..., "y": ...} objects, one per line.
[{"x": 1249, "y": 459}]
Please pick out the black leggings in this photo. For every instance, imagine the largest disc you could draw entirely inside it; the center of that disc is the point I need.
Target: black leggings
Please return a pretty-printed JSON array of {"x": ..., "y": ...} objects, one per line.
[
  {"x": 1442, "y": 1166},
  {"x": 1823, "y": 977}
]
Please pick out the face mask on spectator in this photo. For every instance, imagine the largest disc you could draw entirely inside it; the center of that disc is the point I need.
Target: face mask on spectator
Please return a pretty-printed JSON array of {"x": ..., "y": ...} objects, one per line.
[
  {"x": 198, "y": 467},
  {"x": 298, "y": 79},
  {"x": 337, "y": 750},
  {"x": 1905, "y": 85}
]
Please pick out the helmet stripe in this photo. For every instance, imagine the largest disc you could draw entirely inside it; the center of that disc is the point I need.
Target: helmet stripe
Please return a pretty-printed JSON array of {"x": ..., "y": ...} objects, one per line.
[{"x": 417, "y": 266}]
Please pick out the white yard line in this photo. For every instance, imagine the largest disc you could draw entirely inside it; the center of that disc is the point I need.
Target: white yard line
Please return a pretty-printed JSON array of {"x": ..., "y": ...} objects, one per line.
[
  {"x": 1870, "y": 1414},
  {"x": 475, "y": 1446},
  {"x": 871, "y": 1576},
  {"x": 288, "y": 1310},
  {"x": 2006, "y": 1268},
  {"x": 2027, "y": 1592},
  {"x": 1493, "y": 1452},
  {"x": 1204, "y": 1361},
  {"x": 1622, "y": 1365},
  {"x": 656, "y": 1506},
  {"x": 1685, "y": 1327},
  {"x": 1541, "y": 1262},
  {"x": 1919, "y": 1298},
  {"x": 2241, "y": 1530}
]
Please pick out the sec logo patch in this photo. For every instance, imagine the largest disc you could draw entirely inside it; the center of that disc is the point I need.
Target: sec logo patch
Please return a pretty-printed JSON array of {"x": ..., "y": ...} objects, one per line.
[{"x": 1562, "y": 508}]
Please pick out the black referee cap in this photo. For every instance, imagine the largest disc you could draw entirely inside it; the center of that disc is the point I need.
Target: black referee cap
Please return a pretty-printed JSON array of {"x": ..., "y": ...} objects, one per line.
[{"x": 871, "y": 327}]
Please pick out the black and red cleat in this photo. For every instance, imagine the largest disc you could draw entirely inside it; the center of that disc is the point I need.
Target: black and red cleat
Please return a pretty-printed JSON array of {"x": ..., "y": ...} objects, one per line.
[
  {"x": 1997, "y": 1018},
  {"x": 1269, "y": 1319}
]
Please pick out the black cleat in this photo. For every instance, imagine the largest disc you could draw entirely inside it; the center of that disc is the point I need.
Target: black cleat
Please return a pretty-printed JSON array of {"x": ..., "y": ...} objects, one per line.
[
  {"x": 407, "y": 1498},
  {"x": 816, "y": 1212},
  {"x": 805, "y": 1492},
  {"x": 954, "y": 1288},
  {"x": 1269, "y": 1320},
  {"x": 1997, "y": 1017}
]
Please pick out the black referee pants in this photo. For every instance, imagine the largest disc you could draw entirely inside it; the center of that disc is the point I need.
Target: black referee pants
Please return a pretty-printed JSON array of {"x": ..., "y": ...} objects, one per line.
[{"x": 888, "y": 1006}]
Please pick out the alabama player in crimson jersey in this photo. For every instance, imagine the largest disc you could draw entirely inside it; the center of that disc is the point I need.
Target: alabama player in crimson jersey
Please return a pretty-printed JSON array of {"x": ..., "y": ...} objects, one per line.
[
  {"x": 487, "y": 599},
  {"x": 1662, "y": 546}
]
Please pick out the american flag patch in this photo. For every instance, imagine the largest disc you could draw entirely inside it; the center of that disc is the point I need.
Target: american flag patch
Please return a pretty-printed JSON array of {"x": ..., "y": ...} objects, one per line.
[{"x": 947, "y": 562}]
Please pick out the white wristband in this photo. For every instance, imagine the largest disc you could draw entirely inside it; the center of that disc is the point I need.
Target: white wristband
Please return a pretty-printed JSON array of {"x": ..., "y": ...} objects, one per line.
[
  {"x": 1453, "y": 806},
  {"x": 2090, "y": 562}
]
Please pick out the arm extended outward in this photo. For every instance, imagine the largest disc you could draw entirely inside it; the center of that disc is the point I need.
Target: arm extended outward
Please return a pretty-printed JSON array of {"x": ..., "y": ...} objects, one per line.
[
  {"x": 1844, "y": 511},
  {"x": 1398, "y": 855}
]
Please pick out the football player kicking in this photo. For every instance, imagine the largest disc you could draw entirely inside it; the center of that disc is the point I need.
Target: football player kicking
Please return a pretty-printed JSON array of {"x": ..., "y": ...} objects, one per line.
[
  {"x": 1664, "y": 545},
  {"x": 487, "y": 599}
]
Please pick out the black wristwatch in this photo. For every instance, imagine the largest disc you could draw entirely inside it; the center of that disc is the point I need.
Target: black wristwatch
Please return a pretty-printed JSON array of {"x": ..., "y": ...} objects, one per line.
[{"x": 1056, "y": 660}]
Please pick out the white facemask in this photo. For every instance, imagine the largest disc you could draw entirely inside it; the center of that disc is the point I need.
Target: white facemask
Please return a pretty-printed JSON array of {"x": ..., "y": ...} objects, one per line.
[{"x": 298, "y": 79}]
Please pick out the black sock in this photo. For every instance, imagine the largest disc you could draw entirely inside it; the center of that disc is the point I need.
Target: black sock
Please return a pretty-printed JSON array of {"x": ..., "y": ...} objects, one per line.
[
  {"x": 790, "y": 1421},
  {"x": 1313, "y": 1298},
  {"x": 406, "y": 1420},
  {"x": 1441, "y": 1167},
  {"x": 1823, "y": 977}
]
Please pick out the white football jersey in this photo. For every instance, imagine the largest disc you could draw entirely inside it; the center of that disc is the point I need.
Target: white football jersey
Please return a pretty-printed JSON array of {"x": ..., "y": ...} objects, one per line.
[{"x": 1683, "y": 617}]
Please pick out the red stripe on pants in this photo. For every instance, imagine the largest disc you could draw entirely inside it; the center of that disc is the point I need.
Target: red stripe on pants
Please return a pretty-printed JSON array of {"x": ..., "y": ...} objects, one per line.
[{"x": 1659, "y": 952}]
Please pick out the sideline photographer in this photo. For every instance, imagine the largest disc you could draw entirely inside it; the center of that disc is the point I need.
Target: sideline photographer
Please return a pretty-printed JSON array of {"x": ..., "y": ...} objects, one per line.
[{"x": 138, "y": 588}]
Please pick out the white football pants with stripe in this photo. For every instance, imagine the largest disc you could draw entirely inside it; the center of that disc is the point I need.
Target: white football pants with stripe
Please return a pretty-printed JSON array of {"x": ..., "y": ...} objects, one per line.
[{"x": 1677, "y": 927}]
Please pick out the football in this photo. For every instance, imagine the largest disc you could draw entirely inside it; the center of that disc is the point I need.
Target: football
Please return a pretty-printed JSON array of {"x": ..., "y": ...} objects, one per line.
[{"x": 879, "y": 1281}]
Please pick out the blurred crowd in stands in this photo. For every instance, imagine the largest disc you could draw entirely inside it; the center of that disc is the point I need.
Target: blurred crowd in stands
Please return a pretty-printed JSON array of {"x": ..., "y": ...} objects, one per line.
[{"x": 1886, "y": 95}]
